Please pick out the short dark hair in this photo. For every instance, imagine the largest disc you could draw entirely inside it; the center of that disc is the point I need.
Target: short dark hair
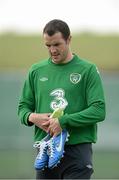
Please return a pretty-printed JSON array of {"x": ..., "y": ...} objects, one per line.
[{"x": 55, "y": 26}]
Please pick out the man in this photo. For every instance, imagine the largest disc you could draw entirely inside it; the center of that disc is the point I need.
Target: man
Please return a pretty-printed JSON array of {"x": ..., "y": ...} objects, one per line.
[{"x": 64, "y": 79}]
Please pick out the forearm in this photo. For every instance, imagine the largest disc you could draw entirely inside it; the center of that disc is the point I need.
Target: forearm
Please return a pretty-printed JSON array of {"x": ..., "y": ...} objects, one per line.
[
  {"x": 91, "y": 115},
  {"x": 41, "y": 120},
  {"x": 33, "y": 117}
]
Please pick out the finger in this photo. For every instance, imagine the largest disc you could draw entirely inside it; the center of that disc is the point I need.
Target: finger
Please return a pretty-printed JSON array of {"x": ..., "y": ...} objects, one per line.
[
  {"x": 50, "y": 130},
  {"x": 55, "y": 134},
  {"x": 45, "y": 129},
  {"x": 51, "y": 133},
  {"x": 46, "y": 123}
]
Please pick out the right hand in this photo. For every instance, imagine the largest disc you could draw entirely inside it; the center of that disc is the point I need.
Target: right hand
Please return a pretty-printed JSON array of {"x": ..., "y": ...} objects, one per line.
[{"x": 40, "y": 120}]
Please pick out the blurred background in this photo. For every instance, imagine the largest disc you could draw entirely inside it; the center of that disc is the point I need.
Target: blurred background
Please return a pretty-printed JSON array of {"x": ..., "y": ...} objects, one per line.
[{"x": 95, "y": 29}]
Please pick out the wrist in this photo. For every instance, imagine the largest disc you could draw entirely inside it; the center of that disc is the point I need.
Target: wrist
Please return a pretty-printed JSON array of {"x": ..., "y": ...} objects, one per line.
[{"x": 32, "y": 118}]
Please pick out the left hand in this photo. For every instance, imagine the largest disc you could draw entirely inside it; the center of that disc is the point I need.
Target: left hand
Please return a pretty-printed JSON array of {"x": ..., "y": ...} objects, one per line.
[{"x": 54, "y": 128}]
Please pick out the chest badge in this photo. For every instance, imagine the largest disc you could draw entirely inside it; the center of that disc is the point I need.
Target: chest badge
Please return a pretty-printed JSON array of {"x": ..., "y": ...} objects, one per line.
[{"x": 75, "y": 78}]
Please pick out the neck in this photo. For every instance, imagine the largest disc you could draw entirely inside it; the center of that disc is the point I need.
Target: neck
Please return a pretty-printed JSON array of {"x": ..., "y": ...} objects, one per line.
[{"x": 69, "y": 58}]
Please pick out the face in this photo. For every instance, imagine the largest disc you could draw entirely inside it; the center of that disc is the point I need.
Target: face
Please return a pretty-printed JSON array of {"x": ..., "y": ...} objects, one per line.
[{"x": 58, "y": 47}]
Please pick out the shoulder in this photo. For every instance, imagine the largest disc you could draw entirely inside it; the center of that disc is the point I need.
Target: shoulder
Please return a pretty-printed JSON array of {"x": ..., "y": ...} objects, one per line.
[
  {"x": 85, "y": 63},
  {"x": 35, "y": 67},
  {"x": 87, "y": 67},
  {"x": 39, "y": 64}
]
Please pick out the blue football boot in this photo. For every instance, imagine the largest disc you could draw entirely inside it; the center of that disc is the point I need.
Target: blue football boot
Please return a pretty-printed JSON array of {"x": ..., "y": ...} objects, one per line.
[
  {"x": 56, "y": 148},
  {"x": 41, "y": 160}
]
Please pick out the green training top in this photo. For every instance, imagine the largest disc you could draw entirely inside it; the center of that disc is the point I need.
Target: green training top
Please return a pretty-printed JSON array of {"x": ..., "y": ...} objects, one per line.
[{"x": 75, "y": 85}]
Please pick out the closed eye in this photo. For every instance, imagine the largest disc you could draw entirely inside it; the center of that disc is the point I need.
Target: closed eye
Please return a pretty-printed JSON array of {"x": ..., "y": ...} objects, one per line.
[
  {"x": 54, "y": 45},
  {"x": 57, "y": 44},
  {"x": 47, "y": 45}
]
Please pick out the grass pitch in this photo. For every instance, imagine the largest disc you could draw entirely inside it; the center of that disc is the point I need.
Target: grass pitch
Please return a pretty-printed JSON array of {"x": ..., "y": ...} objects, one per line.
[{"x": 22, "y": 51}]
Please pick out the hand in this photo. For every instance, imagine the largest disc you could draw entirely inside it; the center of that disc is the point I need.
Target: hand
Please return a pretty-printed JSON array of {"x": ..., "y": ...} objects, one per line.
[
  {"x": 54, "y": 128},
  {"x": 40, "y": 120}
]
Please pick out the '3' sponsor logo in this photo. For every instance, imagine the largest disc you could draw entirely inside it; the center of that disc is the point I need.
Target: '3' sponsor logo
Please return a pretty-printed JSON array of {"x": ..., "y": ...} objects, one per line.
[{"x": 59, "y": 100}]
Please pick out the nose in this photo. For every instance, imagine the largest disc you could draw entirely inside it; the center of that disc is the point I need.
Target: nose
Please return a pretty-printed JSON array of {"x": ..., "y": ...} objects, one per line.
[{"x": 53, "y": 49}]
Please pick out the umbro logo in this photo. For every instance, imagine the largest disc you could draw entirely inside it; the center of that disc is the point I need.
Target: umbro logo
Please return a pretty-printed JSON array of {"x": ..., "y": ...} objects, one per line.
[{"x": 43, "y": 79}]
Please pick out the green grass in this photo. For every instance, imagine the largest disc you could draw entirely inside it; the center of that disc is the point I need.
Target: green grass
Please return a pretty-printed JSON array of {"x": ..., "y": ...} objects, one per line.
[
  {"x": 16, "y": 164},
  {"x": 22, "y": 51},
  {"x": 106, "y": 165},
  {"x": 100, "y": 49}
]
